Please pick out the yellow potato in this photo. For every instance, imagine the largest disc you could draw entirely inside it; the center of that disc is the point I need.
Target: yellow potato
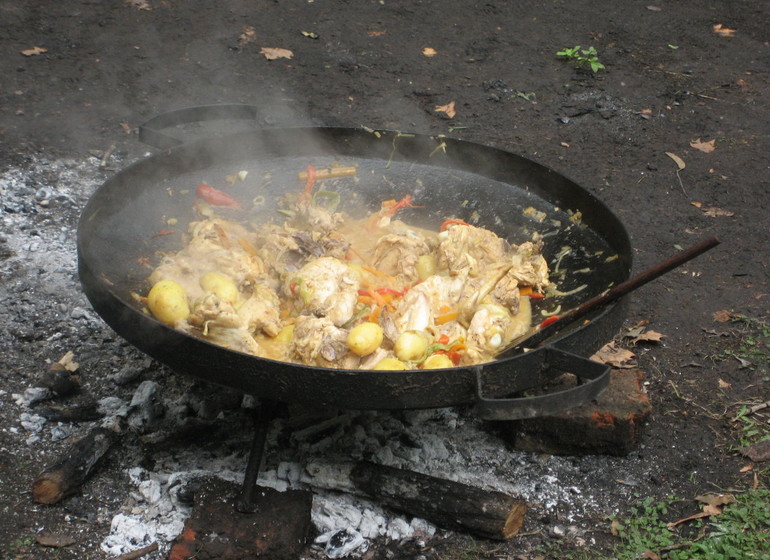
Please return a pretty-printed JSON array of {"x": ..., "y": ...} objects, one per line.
[
  {"x": 425, "y": 266},
  {"x": 437, "y": 361},
  {"x": 167, "y": 301},
  {"x": 365, "y": 338},
  {"x": 411, "y": 345},
  {"x": 220, "y": 285},
  {"x": 285, "y": 335},
  {"x": 390, "y": 364}
]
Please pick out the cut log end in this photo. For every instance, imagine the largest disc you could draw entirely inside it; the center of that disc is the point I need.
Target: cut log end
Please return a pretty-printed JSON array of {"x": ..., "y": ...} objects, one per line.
[{"x": 48, "y": 488}]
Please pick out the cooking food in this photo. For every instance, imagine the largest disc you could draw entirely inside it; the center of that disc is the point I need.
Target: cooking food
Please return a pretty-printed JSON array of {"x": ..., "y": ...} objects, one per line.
[{"x": 326, "y": 290}]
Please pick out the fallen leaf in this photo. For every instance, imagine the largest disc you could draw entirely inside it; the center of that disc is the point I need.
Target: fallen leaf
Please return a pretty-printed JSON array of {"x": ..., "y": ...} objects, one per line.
[
  {"x": 376, "y": 33},
  {"x": 713, "y": 212},
  {"x": 724, "y": 316},
  {"x": 614, "y": 527},
  {"x": 708, "y": 511},
  {"x": 34, "y": 51},
  {"x": 697, "y": 204},
  {"x": 679, "y": 161},
  {"x": 706, "y": 147},
  {"x": 564, "y": 144},
  {"x": 55, "y": 540},
  {"x": 723, "y": 31},
  {"x": 747, "y": 468},
  {"x": 653, "y": 8},
  {"x": 611, "y": 355},
  {"x": 427, "y": 51},
  {"x": 723, "y": 384},
  {"x": 649, "y": 555},
  {"x": 248, "y": 35},
  {"x": 68, "y": 362},
  {"x": 758, "y": 452},
  {"x": 273, "y": 53},
  {"x": 648, "y": 336},
  {"x": 310, "y": 34},
  {"x": 448, "y": 109},
  {"x": 715, "y": 499}
]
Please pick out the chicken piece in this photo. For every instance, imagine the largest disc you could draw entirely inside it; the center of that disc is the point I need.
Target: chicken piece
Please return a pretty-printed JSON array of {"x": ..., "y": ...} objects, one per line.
[
  {"x": 317, "y": 341},
  {"x": 396, "y": 254},
  {"x": 308, "y": 216},
  {"x": 466, "y": 248},
  {"x": 213, "y": 248},
  {"x": 219, "y": 323},
  {"x": 529, "y": 267},
  {"x": 287, "y": 249},
  {"x": 261, "y": 311},
  {"x": 326, "y": 287},
  {"x": 493, "y": 327},
  {"x": 419, "y": 307}
]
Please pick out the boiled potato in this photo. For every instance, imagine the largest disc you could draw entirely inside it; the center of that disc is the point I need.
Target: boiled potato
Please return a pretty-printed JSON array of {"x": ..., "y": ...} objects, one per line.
[
  {"x": 167, "y": 301},
  {"x": 365, "y": 338},
  {"x": 411, "y": 345},
  {"x": 390, "y": 364},
  {"x": 220, "y": 285},
  {"x": 425, "y": 266},
  {"x": 285, "y": 335},
  {"x": 437, "y": 361}
]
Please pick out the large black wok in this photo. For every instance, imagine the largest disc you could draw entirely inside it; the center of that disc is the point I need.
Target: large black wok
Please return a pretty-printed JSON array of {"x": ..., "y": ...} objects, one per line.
[{"x": 447, "y": 178}]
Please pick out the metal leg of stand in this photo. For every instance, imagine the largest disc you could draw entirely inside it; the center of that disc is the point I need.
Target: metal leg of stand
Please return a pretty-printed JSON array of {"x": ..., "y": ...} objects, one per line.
[{"x": 245, "y": 502}]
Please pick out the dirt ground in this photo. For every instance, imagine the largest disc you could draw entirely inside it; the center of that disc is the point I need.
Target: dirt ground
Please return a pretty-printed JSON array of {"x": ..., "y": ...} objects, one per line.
[{"x": 689, "y": 78}]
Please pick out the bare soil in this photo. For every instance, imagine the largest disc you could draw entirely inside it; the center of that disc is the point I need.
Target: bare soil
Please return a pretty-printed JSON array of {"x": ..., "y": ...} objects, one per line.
[{"x": 671, "y": 80}]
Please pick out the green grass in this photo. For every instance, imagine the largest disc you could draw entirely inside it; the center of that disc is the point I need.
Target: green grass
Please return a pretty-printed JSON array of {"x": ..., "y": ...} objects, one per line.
[
  {"x": 740, "y": 532},
  {"x": 752, "y": 348},
  {"x": 582, "y": 58}
]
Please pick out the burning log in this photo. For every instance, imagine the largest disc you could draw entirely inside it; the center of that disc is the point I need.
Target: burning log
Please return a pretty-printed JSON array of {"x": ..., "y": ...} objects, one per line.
[
  {"x": 68, "y": 473},
  {"x": 445, "y": 503}
]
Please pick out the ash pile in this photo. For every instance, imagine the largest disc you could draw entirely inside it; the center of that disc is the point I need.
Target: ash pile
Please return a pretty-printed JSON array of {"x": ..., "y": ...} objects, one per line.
[{"x": 69, "y": 376}]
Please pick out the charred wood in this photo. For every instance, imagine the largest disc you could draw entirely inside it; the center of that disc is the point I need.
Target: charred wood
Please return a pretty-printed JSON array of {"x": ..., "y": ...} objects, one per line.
[{"x": 68, "y": 473}]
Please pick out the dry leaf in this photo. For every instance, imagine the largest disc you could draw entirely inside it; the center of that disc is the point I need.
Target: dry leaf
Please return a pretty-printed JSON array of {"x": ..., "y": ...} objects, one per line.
[
  {"x": 713, "y": 212},
  {"x": 723, "y": 31},
  {"x": 68, "y": 362},
  {"x": 310, "y": 34},
  {"x": 611, "y": 355},
  {"x": 706, "y": 147},
  {"x": 724, "y": 316},
  {"x": 376, "y": 33},
  {"x": 248, "y": 35},
  {"x": 649, "y": 555},
  {"x": 614, "y": 527},
  {"x": 54, "y": 540},
  {"x": 273, "y": 53},
  {"x": 34, "y": 51},
  {"x": 723, "y": 384},
  {"x": 679, "y": 161},
  {"x": 564, "y": 144},
  {"x": 758, "y": 452},
  {"x": 715, "y": 499},
  {"x": 708, "y": 511},
  {"x": 427, "y": 51},
  {"x": 449, "y": 109},
  {"x": 747, "y": 468},
  {"x": 697, "y": 204},
  {"x": 648, "y": 336}
]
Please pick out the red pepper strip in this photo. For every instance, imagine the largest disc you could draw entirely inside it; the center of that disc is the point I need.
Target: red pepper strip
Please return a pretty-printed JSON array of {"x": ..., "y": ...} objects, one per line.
[
  {"x": 310, "y": 183},
  {"x": 443, "y": 339},
  {"x": 390, "y": 291},
  {"x": 216, "y": 197},
  {"x": 448, "y": 223},
  {"x": 548, "y": 321}
]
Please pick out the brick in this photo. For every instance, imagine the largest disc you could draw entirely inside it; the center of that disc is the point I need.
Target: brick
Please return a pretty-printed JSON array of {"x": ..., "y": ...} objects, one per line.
[
  {"x": 278, "y": 530},
  {"x": 612, "y": 424}
]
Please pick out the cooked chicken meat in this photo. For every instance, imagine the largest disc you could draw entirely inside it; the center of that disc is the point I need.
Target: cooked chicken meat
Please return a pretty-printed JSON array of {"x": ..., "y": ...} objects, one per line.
[
  {"x": 317, "y": 341},
  {"x": 325, "y": 287}
]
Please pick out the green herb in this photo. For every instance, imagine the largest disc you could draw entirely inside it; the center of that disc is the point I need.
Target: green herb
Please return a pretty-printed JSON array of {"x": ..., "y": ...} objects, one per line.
[{"x": 583, "y": 58}]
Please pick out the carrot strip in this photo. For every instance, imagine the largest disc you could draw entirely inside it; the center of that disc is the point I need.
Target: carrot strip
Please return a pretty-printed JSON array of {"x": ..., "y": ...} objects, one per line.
[
  {"x": 246, "y": 246},
  {"x": 446, "y": 318}
]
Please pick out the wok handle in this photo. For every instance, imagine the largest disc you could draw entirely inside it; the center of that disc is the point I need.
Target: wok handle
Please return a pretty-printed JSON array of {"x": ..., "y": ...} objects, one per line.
[
  {"x": 151, "y": 131},
  {"x": 593, "y": 378}
]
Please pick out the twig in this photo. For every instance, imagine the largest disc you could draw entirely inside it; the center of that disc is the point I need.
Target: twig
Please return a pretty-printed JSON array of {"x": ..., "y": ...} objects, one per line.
[
  {"x": 138, "y": 553},
  {"x": 106, "y": 156}
]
